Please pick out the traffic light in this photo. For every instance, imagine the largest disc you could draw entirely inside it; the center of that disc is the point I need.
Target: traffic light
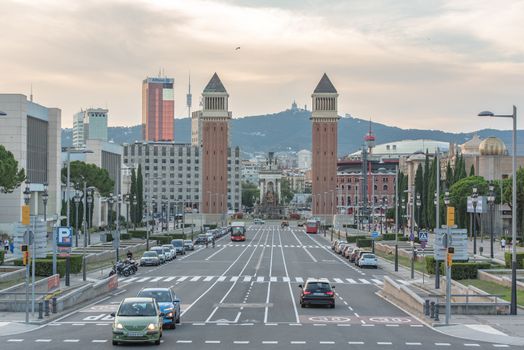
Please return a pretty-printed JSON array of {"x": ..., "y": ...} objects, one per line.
[
  {"x": 25, "y": 254},
  {"x": 450, "y": 259}
]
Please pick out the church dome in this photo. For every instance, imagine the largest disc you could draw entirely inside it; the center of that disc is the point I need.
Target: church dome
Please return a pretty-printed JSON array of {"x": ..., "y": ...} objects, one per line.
[
  {"x": 471, "y": 147},
  {"x": 492, "y": 146}
]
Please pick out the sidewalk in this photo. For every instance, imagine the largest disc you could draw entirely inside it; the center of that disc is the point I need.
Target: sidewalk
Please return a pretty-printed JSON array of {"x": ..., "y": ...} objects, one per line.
[{"x": 502, "y": 329}]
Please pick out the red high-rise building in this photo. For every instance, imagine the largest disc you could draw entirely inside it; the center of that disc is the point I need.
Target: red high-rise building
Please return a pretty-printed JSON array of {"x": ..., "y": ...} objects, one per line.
[
  {"x": 214, "y": 119},
  {"x": 158, "y": 109},
  {"x": 324, "y": 119}
]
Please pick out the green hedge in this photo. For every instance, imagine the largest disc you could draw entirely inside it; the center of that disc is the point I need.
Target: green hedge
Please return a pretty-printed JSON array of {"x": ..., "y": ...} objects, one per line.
[
  {"x": 138, "y": 234},
  {"x": 459, "y": 270},
  {"x": 2, "y": 253},
  {"x": 125, "y": 236},
  {"x": 364, "y": 243},
  {"x": 520, "y": 260},
  {"x": 353, "y": 239},
  {"x": 44, "y": 267},
  {"x": 389, "y": 237}
]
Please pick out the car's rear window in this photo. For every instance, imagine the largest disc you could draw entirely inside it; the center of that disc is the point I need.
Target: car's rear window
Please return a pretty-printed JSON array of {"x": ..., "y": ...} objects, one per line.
[
  {"x": 161, "y": 296},
  {"x": 318, "y": 287},
  {"x": 368, "y": 256},
  {"x": 177, "y": 243},
  {"x": 151, "y": 254}
]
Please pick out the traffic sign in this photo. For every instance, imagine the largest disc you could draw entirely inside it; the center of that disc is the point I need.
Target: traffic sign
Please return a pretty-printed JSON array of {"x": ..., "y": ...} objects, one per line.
[
  {"x": 375, "y": 234},
  {"x": 26, "y": 215},
  {"x": 411, "y": 237},
  {"x": 451, "y": 216},
  {"x": 458, "y": 240},
  {"x": 423, "y": 236},
  {"x": 64, "y": 237}
]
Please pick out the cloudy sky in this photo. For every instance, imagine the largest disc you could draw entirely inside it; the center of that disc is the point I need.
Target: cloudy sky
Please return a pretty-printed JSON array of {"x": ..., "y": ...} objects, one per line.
[{"x": 412, "y": 63}]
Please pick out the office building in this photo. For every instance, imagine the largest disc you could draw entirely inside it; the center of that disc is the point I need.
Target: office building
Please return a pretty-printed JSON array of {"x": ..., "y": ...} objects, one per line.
[
  {"x": 89, "y": 124},
  {"x": 158, "y": 109},
  {"x": 32, "y": 132}
]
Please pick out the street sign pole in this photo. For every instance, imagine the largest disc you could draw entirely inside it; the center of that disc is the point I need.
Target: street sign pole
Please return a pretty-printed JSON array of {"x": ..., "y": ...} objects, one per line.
[
  {"x": 450, "y": 220},
  {"x": 33, "y": 268},
  {"x": 55, "y": 231}
]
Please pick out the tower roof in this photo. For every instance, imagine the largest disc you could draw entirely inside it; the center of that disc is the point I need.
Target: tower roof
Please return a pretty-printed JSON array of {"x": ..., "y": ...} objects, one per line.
[
  {"x": 215, "y": 85},
  {"x": 325, "y": 86}
]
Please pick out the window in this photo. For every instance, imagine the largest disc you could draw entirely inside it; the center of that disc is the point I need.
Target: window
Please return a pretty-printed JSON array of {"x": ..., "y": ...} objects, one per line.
[{"x": 385, "y": 187}]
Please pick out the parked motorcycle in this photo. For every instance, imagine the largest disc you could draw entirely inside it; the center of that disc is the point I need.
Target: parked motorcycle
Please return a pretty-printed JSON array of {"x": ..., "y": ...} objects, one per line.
[{"x": 122, "y": 269}]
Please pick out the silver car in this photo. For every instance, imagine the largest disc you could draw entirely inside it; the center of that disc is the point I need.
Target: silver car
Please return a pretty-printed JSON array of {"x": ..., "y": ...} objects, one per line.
[
  {"x": 170, "y": 251},
  {"x": 188, "y": 244},
  {"x": 160, "y": 252}
]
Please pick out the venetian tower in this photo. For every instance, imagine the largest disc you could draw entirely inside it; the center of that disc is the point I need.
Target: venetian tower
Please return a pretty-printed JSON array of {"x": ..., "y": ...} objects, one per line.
[
  {"x": 214, "y": 119},
  {"x": 324, "y": 119}
]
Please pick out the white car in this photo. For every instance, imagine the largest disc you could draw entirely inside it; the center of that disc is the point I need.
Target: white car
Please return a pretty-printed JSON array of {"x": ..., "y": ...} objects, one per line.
[
  {"x": 171, "y": 253},
  {"x": 161, "y": 253},
  {"x": 368, "y": 260}
]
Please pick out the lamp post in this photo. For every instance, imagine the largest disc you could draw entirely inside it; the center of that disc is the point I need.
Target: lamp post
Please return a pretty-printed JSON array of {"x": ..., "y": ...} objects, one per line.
[
  {"x": 419, "y": 203},
  {"x": 437, "y": 263},
  {"x": 396, "y": 218},
  {"x": 84, "y": 225},
  {"x": 27, "y": 199},
  {"x": 110, "y": 201},
  {"x": 135, "y": 218},
  {"x": 474, "y": 201},
  {"x": 70, "y": 150},
  {"x": 448, "y": 267},
  {"x": 127, "y": 199},
  {"x": 403, "y": 206},
  {"x": 513, "y": 306},
  {"x": 491, "y": 201},
  {"x": 45, "y": 198},
  {"x": 77, "y": 199},
  {"x": 90, "y": 193}
]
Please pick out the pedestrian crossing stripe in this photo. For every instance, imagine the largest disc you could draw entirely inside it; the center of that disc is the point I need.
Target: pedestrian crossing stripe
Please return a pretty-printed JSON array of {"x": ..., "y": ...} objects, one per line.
[
  {"x": 273, "y": 246},
  {"x": 257, "y": 279}
]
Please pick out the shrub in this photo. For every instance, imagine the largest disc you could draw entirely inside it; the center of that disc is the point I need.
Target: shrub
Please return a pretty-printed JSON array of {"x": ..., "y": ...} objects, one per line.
[
  {"x": 177, "y": 236},
  {"x": 138, "y": 234},
  {"x": 161, "y": 239},
  {"x": 125, "y": 236},
  {"x": 353, "y": 239},
  {"x": 44, "y": 267},
  {"x": 520, "y": 260},
  {"x": 364, "y": 242},
  {"x": 459, "y": 270},
  {"x": 389, "y": 237},
  {"x": 1, "y": 257},
  {"x": 403, "y": 238}
]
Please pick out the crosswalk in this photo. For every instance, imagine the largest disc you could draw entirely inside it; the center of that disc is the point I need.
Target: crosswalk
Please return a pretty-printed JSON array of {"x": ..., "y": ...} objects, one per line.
[
  {"x": 274, "y": 245},
  {"x": 249, "y": 279}
]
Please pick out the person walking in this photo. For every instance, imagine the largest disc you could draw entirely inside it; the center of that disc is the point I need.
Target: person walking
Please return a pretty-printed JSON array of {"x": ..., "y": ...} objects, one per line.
[
  {"x": 503, "y": 244},
  {"x": 6, "y": 245}
]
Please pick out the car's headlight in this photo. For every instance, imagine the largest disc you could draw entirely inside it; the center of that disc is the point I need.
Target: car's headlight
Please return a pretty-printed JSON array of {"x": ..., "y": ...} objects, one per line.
[
  {"x": 119, "y": 326},
  {"x": 151, "y": 327}
]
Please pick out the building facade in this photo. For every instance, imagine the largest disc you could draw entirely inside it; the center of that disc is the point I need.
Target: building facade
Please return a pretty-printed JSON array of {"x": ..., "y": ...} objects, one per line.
[
  {"x": 304, "y": 159},
  {"x": 158, "y": 109},
  {"x": 89, "y": 124},
  {"x": 32, "y": 133},
  {"x": 173, "y": 173},
  {"x": 324, "y": 119}
]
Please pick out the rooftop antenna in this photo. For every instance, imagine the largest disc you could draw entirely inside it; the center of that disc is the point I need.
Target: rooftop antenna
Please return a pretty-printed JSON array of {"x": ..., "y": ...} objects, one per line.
[
  {"x": 31, "y": 95},
  {"x": 160, "y": 72}
]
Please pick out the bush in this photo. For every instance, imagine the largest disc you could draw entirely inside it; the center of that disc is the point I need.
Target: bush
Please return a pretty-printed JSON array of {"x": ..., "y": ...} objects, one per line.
[
  {"x": 44, "y": 267},
  {"x": 138, "y": 234},
  {"x": 520, "y": 260},
  {"x": 125, "y": 236},
  {"x": 389, "y": 237},
  {"x": 364, "y": 242},
  {"x": 1, "y": 257},
  {"x": 459, "y": 270},
  {"x": 353, "y": 239},
  {"x": 177, "y": 236}
]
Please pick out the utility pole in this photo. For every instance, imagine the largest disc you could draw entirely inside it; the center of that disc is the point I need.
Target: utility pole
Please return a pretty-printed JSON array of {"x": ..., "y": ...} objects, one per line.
[
  {"x": 396, "y": 218},
  {"x": 437, "y": 217}
]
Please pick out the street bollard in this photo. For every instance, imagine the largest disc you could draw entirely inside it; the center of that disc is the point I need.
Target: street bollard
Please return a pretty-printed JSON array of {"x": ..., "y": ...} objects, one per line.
[
  {"x": 436, "y": 313},
  {"x": 40, "y": 310},
  {"x": 426, "y": 308},
  {"x": 46, "y": 307},
  {"x": 432, "y": 310},
  {"x": 54, "y": 306}
]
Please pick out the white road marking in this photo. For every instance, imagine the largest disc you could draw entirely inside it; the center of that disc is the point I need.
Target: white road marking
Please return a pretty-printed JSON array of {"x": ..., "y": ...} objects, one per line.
[
  {"x": 299, "y": 279},
  {"x": 273, "y": 279},
  {"x": 43, "y": 340},
  {"x": 71, "y": 340},
  {"x": 130, "y": 279},
  {"x": 208, "y": 278},
  {"x": 78, "y": 324},
  {"x": 392, "y": 325},
  {"x": 241, "y": 342},
  {"x": 184, "y": 341},
  {"x": 364, "y": 281},
  {"x": 271, "y": 324},
  {"x": 260, "y": 279},
  {"x": 442, "y": 344},
  {"x": 143, "y": 279},
  {"x": 247, "y": 278},
  {"x": 355, "y": 342},
  {"x": 471, "y": 344},
  {"x": 182, "y": 279},
  {"x": 15, "y": 340},
  {"x": 221, "y": 279},
  {"x": 416, "y": 325},
  {"x": 169, "y": 279},
  {"x": 297, "y": 342},
  {"x": 99, "y": 341},
  {"x": 212, "y": 341},
  {"x": 270, "y": 342},
  {"x": 377, "y": 281},
  {"x": 501, "y": 345},
  {"x": 338, "y": 280},
  {"x": 196, "y": 278},
  {"x": 233, "y": 279},
  {"x": 288, "y": 283},
  {"x": 266, "y": 309},
  {"x": 384, "y": 343},
  {"x": 285, "y": 279},
  {"x": 156, "y": 279},
  {"x": 326, "y": 342},
  {"x": 351, "y": 280},
  {"x": 413, "y": 343}
]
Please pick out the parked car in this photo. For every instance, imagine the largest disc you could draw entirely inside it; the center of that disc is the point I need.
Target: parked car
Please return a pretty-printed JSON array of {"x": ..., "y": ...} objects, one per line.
[
  {"x": 359, "y": 255},
  {"x": 335, "y": 243},
  {"x": 301, "y": 223},
  {"x": 160, "y": 252},
  {"x": 347, "y": 251},
  {"x": 188, "y": 245},
  {"x": 137, "y": 320},
  {"x": 201, "y": 239},
  {"x": 178, "y": 244},
  {"x": 354, "y": 254},
  {"x": 258, "y": 221},
  {"x": 168, "y": 302},
  {"x": 170, "y": 252},
  {"x": 340, "y": 247},
  {"x": 150, "y": 258},
  {"x": 317, "y": 292},
  {"x": 368, "y": 260}
]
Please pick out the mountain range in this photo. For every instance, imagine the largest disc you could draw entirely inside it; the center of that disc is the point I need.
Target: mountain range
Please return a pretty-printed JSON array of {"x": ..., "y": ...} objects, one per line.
[{"x": 291, "y": 130}]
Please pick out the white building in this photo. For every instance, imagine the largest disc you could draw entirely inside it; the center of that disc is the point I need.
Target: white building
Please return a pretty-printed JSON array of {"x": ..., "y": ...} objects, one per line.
[
  {"x": 32, "y": 133},
  {"x": 89, "y": 124},
  {"x": 249, "y": 171},
  {"x": 304, "y": 159}
]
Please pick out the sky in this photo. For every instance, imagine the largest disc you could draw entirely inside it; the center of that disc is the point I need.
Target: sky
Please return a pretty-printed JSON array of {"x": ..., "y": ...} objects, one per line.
[{"x": 430, "y": 64}]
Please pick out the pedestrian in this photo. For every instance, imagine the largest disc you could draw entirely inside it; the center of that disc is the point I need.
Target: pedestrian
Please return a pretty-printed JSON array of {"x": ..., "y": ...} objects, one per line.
[
  {"x": 6, "y": 245},
  {"x": 12, "y": 247},
  {"x": 503, "y": 244},
  {"x": 213, "y": 242}
]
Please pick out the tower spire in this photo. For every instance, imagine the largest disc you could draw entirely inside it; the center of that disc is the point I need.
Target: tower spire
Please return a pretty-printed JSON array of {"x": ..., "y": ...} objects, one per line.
[{"x": 31, "y": 95}]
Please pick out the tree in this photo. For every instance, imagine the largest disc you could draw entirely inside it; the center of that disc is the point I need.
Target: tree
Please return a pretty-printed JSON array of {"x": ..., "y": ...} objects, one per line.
[
  {"x": 419, "y": 185},
  {"x": 139, "y": 194},
  {"x": 250, "y": 194},
  {"x": 10, "y": 176},
  {"x": 132, "y": 194},
  {"x": 507, "y": 198},
  {"x": 286, "y": 191},
  {"x": 459, "y": 193},
  {"x": 472, "y": 170}
]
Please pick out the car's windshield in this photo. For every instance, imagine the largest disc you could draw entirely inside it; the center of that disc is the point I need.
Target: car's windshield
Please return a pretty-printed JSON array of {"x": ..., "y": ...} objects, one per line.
[
  {"x": 143, "y": 308},
  {"x": 318, "y": 287},
  {"x": 168, "y": 247},
  {"x": 237, "y": 231},
  {"x": 158, "y": 250},
  {"x": 177, "y": 243},
  {"x": 161, "y": 296},
  {"x": 150, "y": 254}
]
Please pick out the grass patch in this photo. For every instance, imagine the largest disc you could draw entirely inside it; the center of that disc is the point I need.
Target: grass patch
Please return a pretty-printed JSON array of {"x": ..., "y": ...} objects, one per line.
[
  {"x": 402, "y": 260},
  {"x": 493, "y": 288}
]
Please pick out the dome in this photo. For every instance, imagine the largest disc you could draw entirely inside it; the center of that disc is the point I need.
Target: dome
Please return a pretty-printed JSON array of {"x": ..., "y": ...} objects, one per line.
[
  {"x": 471, "y": 146},
  {"x": 492, "y": 146}
]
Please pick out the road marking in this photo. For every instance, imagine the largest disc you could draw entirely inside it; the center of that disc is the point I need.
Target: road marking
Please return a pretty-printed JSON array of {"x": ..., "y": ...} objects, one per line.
[
  {"x": 266, "y": 309},
  {"x": 355, "y": 342},
  {"x": 471, "y": 344},
  {"x": 351, "y": 280},
  {"x": 297, "y": 342},
  {"x": 299, "y": 279},
  {"x": 501, "y": 345},
  {"x": 182, "y": 279},
  {"x": 221, "y": 279},
  {"x": 42, "y": 340},
  {"x": 285, "y": 279},
  {"x": 269, "y": 342},
  {"x": 233, "y": 279},
  {"x": 169, "y": 279},
  {"x": 338, "y": 280},
  {"x": 241, "y": 342},
  {"x": 184, "y": 341},
  {"x": 392, "y": 325},
  {"x": 365, "y": 281},
  {"x": 15, "y": 340},
  {"x": 208, "y": 278},
  {"x": 326, "y": 342},
  {"x": 368, "y": 325},
  {"x": 71, "y": 340},
  {"x": 143, "y": 279},
  {"x": 288, "y": 283},
  {"x": 356, "y": 314},
  {"x": 414, "y": 343},
  {"x": 130, "y": 279},
  {"x": 78, "y": 324},
  {"x": 212, "y": 341},
  {"x": 384, "y": 343},
  {"x": 247, "y": 278},
  {"x": 156, "y": 279},
  {"x": 416, "y": 325},
  {"x": 273, "y": 279},
  {"x": 271, "y": 324},
  {"x": 260, "y": 279},
  {"x": 99, "y": 341},
  {"x": 199, "y": 324},
  {"x": 196, "y": 278},
  {"x": 377, "y": 281},
  {"x": 442, "y": 344}
]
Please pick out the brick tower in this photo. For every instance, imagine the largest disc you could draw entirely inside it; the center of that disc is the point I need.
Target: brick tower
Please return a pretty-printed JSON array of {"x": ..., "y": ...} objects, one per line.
[
  {"x": 214, "y": 119},
  {"x": 324, "y": 119}
]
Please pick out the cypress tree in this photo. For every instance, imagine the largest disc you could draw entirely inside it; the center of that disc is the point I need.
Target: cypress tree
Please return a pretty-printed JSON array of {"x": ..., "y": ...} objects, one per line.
[
  {"x": 419, "y": 185},
  {"x": 133, "y": 195},
  {"x": 139, "y": 194},
  {"x": 472, "y": 170}
]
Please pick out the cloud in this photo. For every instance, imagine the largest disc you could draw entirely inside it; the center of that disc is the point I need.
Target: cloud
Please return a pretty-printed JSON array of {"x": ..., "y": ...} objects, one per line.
[{"x": 430, "y": 64}]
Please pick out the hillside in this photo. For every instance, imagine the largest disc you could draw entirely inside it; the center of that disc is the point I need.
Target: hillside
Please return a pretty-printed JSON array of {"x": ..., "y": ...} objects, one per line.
[{"x": 291, "y": 130}]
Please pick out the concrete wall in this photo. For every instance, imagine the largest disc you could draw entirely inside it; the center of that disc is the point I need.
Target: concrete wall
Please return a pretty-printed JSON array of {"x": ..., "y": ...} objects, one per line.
[
  {"x": 86, "y": 293},
  {"x": 11, "y": 302},
  {"x": 500, "y": 280}
]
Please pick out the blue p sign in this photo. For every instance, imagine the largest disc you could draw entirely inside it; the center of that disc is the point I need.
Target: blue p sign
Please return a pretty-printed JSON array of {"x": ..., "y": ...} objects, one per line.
[{"x": 64, "y": 237}]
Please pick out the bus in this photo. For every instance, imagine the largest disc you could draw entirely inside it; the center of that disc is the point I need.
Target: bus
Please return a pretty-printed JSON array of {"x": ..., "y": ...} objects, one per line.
[
  {"x": 238, "y": 231},
  {"x": 312, "y": 226}
]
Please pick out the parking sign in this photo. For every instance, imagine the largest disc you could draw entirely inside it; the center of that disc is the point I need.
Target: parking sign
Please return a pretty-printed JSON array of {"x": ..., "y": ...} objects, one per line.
[{"x": 64, "y": 237}]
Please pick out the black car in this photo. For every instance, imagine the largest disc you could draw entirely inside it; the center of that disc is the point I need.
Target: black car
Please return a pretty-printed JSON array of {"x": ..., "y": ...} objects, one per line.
[{"x": 317, "y": 292}]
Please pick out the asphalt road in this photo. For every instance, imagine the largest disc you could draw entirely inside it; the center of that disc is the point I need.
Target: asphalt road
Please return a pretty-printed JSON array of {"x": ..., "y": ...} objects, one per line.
[{"x": 245, "y": 296}]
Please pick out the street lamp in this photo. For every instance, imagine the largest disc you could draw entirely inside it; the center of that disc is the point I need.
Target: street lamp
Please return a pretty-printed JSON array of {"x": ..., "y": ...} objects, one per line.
[
  {"x": 135, "y": 219},
  {"x": 27, "y": 199},
  {"x": 90, "y": 193},
  {"x": 27, "y": 192},
  {"x": 474, "y": 201},
  {"x": 491, "y": 201},
  {"x": 513, "y": 307},
  {"x": 437, "y": 263},
  {"x": 403, "y": 216},
  {"x": 419, "y": 203},
  {"x": 127, "y": 199},
  {"x": 45, "y": 198},
  {"x": 110, "y": 201},
  {"x": 77, "y": 198},
  {"x": 447, "y": 266}
]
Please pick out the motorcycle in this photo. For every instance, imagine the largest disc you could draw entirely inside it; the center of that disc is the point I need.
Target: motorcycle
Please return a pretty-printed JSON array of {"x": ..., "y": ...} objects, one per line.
[{"x": 122, "y": 269}]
